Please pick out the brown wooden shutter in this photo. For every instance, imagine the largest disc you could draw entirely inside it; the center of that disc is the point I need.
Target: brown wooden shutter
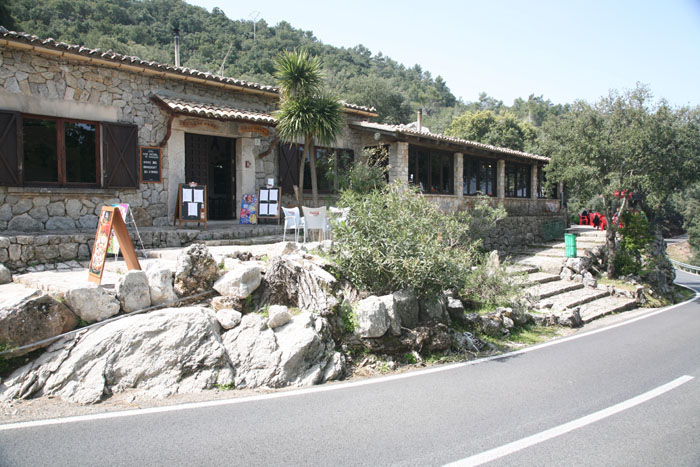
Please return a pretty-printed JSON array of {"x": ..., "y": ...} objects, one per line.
[
  {"x": 121, "y": 159},
  {"x": 289, "y": 167},
  {"x": 9, "y": 148}
]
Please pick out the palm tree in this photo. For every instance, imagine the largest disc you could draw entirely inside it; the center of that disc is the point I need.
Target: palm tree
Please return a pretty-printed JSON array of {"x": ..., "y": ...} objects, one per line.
[{"x": 306, "y": 110}]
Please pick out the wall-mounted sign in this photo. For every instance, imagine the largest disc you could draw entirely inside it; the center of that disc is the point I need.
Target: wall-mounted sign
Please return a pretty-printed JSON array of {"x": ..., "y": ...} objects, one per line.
[
  {"x": 195, "y": 122},
  {"x": 259, "y": 129},
  {"x": 150, "y": 164}
]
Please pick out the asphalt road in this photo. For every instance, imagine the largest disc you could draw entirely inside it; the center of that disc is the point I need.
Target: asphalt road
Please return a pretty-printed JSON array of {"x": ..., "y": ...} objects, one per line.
[{"x": 567, "y": 403}]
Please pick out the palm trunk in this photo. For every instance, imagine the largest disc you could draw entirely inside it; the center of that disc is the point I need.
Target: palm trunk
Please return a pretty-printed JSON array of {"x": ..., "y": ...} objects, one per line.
[
  {"x": 312, "y": 166},
  {"x": 300, "y": 191}
]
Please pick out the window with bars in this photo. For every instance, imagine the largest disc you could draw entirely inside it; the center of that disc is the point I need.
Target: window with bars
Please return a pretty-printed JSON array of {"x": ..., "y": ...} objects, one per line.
[
  {"x": 431, "y": 170},
  {"x": 479, "y": 176}
]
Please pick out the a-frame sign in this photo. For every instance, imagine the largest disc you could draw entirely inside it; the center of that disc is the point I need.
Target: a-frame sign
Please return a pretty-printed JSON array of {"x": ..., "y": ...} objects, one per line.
[{"x": 111, "y": 220}]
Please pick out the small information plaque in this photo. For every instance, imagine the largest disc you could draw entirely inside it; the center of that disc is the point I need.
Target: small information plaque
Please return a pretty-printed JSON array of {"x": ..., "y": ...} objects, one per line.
[{"x": 150, "y": 164}]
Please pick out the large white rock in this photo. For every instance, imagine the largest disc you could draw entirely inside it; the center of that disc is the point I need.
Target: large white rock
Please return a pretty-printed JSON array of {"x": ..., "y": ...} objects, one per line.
[
  {"x": 160, "y": 283},
  {"x": 26, "y": 318},
  {"x": 176, "y": 350},
  {"x": 92, "y": 303},
  {"x": 240, "y": 282},
  {"x": 372, "y": 317},
  {"x": 406, "y": 308},
  {"x": 5, "y": 275},
  {"x": 278, "y": 315},
  {"x": 228, "y": 318},
  {"x": 299, "y": 353},
  {"x": 133, "y": 291}
]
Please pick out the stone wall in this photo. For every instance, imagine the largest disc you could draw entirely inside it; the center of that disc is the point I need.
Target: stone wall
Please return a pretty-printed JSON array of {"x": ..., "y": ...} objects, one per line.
[
  {"x": 22, "y": 253},
  {"x": 516, "y": 232},
  {"x": 69, "y": 88}
]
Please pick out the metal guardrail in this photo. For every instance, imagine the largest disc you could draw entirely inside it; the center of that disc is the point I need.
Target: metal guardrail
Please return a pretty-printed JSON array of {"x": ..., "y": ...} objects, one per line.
[{"x": 685, "y": 267}]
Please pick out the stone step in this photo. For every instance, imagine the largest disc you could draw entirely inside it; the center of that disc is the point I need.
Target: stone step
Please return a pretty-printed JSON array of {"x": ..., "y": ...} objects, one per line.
[
  {"x": 586, "y": 245},
  {"x": 549, "y": 264},
  {"x": 574, "y": 298},
  {"x": 513, "y": 269},
  {"x": 605, "y": 306},
  {"x": 553, "y": 288},
  {"x": 540, "y": 278}
]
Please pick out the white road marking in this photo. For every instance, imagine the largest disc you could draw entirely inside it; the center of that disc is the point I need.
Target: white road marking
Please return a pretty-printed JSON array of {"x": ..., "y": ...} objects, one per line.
[
  {"x": 316, "y": 389},
  {"x": 510, "y": 448}
]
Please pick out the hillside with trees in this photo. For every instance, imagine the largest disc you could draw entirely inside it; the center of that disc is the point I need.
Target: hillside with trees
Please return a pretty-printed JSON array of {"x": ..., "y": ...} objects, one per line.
[{"x": 210, "y": 41}]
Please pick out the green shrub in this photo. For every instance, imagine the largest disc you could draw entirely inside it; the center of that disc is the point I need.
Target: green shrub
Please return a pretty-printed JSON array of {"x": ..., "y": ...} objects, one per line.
[
  {"x": 488, "y": 288},
  {"x": 626, "y": 263},
  {"x": 636, "y": 238},
  {"x": 394, "y": 238}
]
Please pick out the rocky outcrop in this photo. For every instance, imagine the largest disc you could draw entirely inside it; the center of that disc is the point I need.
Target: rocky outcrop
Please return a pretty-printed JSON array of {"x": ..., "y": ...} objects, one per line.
[
  {"x": 372, "y": 317},
  {"x": 240, "y": 282},
  {"x": 92, "y": 303},
  {"x": 196, "y": 271},
  {"x": 299, "y": 353},
  {"x": 34, "y": 318},
  {"x": 165, "y": 352},
  {"x": 133, "y": 291},
  {"x": 296, "y": 281},
  {"x": 160, "y": 284}
]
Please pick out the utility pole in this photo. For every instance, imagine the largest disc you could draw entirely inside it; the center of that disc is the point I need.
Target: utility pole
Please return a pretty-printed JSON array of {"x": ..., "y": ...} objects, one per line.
[{"x": 254, "y": 16}]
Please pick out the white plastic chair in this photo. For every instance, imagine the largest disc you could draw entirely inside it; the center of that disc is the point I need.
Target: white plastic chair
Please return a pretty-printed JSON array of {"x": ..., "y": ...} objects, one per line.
[
  {"x": 339, "y": 215},
  {"x": 292, "y": 220},
  {"x": 315, "y": 219}
]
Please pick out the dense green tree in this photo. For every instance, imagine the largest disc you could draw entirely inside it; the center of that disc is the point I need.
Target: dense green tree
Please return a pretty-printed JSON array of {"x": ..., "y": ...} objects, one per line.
[
  {"x": 306, "y": 111},
  {"x": 486, "y": 126},
  {"x": 624, "y": 142}
]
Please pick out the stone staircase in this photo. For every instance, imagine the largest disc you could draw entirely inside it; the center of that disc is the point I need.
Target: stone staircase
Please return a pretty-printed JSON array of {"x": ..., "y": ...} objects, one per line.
[{"x": 542, "y": 264}]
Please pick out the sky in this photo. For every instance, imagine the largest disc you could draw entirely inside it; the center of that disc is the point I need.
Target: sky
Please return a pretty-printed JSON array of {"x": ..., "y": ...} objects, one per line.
[{"x": 563, "y": 50}]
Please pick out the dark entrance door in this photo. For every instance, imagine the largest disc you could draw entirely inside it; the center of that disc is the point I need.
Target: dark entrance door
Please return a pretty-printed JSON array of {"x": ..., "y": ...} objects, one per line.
[{"x": 210, "y": 161}]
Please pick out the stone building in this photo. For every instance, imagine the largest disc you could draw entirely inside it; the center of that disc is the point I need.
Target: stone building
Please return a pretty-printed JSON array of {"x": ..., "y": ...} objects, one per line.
[{"x": 73, "y": 122}]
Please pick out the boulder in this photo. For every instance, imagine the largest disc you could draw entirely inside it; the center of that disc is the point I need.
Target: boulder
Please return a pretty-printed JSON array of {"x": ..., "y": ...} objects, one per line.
[
  {"x": 570, "y": 318},
  {"x": 5, "y": 275},
  {"x": 133, "y": 291},
  {"x": 92, "y": 303},
  {"x": 299, "y": 353},
  {"x": 406, "y": 307},
  {"x": 455, "y": 308},
  {"x": 240, "y": 282},
  {"x": 493, "y": 263},
  {"x": 160, "y": 284},
  {"x": 176, "y": 350},
  {"x": 300, "y": 282},
  {"x": 422, "y": 339},
  {"x": 372, "y": 317},
  {"x": 278, "y": 315},
  {"x": 434, "y": 310},
  {"x": 578, "y": 265},
  {"x": 196, "y": 271},
  {"x": 491, "y": 324},
  {"x": 228, "y": 318},
  {"x": 32, "y": 318}
]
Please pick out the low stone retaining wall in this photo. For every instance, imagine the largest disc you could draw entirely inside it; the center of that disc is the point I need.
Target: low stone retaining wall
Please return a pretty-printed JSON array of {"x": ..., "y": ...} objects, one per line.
[
  {"x": 516, "y": 232},
  {"x": 22, "y": 251}
]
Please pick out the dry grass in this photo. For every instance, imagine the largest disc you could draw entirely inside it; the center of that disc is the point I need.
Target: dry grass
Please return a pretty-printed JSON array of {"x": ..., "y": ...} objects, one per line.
[{"x": 680, "y": 251}]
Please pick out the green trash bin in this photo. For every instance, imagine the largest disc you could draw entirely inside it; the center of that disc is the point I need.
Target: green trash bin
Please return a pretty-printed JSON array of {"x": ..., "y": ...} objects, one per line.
[{"x": 570, "y": 242}]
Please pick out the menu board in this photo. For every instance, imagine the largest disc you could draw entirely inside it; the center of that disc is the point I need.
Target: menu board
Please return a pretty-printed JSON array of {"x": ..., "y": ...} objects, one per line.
[
  {"x": 150, "y": 164},
  {"x": 191, "y": 204},
  {"x": 269, "y": 203}
]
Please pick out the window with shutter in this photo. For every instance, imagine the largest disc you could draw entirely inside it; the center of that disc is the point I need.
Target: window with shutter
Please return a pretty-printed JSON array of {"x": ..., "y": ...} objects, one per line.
[
  {"x": 9, "y": 148},
  {"x": 120, "y": 153}
]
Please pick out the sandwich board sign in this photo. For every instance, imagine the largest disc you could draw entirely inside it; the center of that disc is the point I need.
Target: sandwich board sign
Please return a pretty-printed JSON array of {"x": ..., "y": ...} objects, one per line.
[{"x": 110, "y": 221}]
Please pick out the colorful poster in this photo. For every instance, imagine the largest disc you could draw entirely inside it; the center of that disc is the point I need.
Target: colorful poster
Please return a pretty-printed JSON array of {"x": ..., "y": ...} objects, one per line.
[
  {"x": 249, "y": 213},
  {"x": 99, "y": 251},
  {"x": 113, "y": 247}
]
